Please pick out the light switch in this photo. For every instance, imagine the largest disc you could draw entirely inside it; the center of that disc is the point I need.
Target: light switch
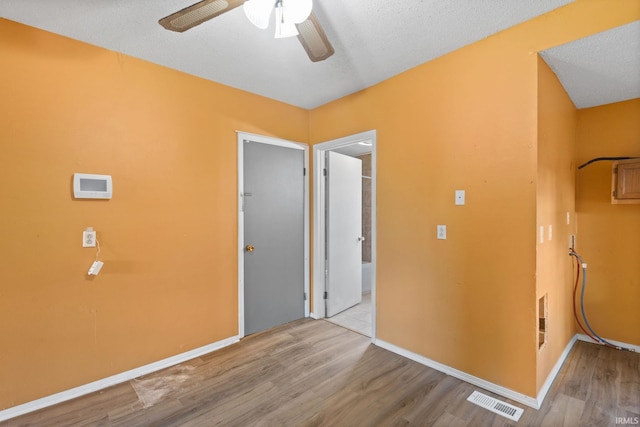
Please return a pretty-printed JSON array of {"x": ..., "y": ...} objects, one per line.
[
  {"x": 442, "y": 232},
  {"x": 460, "y": 196}
]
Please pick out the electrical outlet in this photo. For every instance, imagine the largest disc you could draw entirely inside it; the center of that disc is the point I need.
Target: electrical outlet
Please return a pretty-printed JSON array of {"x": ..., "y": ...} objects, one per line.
[
  {"x": 442, "y": 232},
  {"x": 89, "y": 239}
]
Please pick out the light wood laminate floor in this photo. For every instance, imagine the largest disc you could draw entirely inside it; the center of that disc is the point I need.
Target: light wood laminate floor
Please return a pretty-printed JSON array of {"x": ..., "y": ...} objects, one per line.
[{"x": 314, "y": 373}]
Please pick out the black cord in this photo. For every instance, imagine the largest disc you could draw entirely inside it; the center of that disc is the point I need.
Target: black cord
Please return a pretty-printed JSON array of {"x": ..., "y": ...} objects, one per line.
[{"x": 598, "y": 159}]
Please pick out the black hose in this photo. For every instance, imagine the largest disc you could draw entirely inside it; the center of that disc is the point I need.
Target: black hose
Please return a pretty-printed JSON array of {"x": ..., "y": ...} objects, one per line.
[{"x": 599, "y": 159}]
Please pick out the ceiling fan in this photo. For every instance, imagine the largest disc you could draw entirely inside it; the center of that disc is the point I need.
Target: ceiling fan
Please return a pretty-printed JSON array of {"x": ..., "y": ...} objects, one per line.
[{"x": 293, "y": 18}]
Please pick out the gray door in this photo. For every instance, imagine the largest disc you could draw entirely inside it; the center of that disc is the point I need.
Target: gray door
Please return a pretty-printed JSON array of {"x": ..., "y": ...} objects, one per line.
[{"x": 273, "y": 235}]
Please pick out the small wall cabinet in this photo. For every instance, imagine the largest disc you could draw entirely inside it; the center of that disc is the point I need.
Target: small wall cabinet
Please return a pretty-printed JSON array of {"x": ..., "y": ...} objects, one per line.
[{"x": 625, "y": 182}]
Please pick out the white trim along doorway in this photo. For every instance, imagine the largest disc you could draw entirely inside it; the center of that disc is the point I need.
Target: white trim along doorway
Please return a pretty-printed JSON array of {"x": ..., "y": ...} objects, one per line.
[
  {"x": 319, "y": 220},
  {"x": 241, "y": 138}
]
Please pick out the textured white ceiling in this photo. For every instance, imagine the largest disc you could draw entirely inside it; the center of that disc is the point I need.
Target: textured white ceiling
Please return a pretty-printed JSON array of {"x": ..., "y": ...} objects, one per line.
[
  {"x": 373, "y": 39},
  {"x": 599, "y": 69}
]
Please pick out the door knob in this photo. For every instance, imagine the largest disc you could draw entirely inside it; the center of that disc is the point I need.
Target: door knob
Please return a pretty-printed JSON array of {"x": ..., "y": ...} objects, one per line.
[
  {"x": 361, "y": 239},
  {"x": 250, "y": 248}
]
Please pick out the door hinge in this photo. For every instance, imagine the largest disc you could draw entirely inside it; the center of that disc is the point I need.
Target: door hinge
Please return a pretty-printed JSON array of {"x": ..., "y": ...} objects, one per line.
[
  {"x": 324, "y": 171},
  {"x": 326, "y": 295},
  {"x": 305, "y": 296},
  {"x": 304, "y": 171}
]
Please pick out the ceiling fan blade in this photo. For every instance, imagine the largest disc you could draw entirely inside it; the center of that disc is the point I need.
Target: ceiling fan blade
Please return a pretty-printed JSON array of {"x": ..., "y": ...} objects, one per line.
[
  {"x": 198, "y": 13},
  {"x": 314, "y": 40}
]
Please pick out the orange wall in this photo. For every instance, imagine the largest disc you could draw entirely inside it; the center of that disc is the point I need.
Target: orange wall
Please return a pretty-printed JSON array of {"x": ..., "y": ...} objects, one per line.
[
  {"x": 557, "y": 122},
  {"x": 608, "y": 234},
  {"x": 467, "y": 120},
  {"x": 450, "y": 300},
  {"x": 168, "y": 236}
]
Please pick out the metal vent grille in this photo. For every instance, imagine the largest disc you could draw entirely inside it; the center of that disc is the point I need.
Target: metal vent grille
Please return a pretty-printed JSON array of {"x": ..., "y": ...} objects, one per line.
[
  {"x": 199, "y": 14},
  {"x": 495, "y": 405}
]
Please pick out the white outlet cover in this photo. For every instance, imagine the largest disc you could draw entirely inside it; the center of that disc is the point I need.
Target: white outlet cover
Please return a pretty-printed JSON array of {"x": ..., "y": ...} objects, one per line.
[
  {"x": 441, "y": 232},
  {"x": 88, "y": 239},
  {"x": 460, "y": 197}
]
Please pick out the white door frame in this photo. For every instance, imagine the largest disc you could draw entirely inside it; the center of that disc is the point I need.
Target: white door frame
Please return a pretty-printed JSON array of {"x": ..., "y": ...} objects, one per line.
[
  {"x": 245, "y": 136},
  {"x": 319, "y": 265}
]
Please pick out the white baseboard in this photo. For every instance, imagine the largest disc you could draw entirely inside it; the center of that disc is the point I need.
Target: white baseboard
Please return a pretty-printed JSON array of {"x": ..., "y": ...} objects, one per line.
[
  {"x": 494, "y": 388},
  {"x": 586, "y": 338},
  {"x": 534, "y": 403},
  {"x": 82, "y": 390},
  {"x": 554, "y": 372}
]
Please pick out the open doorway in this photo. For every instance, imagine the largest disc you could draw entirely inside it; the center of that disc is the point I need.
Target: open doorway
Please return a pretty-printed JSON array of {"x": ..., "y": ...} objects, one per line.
[{"x": 358, "y": 315}]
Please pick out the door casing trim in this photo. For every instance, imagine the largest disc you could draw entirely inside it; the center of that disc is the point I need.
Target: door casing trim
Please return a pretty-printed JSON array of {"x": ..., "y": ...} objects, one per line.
[
  {"x": 319, "y": 265},
  {"x": 245, "y": 136}
]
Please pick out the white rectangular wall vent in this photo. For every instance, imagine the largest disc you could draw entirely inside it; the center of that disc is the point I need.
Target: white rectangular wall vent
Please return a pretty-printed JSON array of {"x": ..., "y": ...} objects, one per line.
[
  {"x": 91, "y": 186},
  {"x": 495, "y": 405}
]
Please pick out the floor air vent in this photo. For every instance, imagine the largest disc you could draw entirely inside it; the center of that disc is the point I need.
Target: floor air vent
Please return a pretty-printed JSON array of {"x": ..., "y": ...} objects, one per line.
[{"x": 495, "y": 405}]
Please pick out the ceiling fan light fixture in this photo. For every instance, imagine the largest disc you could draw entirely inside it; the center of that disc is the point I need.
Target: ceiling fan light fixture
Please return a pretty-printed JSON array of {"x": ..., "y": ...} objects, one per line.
[
  {"x": 294, "y": 17},
  {"x": 284, "y": 28},
  {"x": 296, "y": 11},
  {"x": 258, "y": 12}
]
